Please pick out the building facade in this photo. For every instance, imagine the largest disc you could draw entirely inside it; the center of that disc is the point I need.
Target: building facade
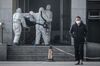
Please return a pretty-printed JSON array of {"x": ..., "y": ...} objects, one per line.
[{"x": 64, "y": 13}]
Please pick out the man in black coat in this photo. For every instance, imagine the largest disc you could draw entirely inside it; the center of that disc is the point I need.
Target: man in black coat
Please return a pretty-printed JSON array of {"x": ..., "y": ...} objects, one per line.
[{"x": 79, "y": 32}]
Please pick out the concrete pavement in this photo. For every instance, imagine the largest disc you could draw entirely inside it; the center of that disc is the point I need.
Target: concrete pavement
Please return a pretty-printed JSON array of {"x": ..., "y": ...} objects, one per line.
[{"x": 30, "y": 63}]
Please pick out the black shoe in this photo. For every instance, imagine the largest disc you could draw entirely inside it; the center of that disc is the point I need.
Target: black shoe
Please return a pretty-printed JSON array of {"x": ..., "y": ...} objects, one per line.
[
  {"x": 78, "y": 63},
  {"x": 81, "y": 62}
]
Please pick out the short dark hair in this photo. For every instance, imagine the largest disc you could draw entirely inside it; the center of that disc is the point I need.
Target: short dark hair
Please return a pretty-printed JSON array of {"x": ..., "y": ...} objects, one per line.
[{"x": 78, "y": 17}]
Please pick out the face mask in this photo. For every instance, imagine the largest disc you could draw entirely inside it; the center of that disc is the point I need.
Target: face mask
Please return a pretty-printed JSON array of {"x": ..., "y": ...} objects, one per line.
[{"x": 78, "y": 22}]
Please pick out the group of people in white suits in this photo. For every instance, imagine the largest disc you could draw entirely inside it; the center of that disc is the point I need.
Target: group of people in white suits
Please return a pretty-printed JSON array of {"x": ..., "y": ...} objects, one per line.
[{"x": 42, "y": 17}]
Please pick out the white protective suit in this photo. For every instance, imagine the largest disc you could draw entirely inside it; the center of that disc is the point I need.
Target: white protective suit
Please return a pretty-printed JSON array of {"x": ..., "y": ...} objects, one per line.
[
  {"x": 17, "y": 20},
  {"x": 49, "y": 16},
  {"x": 40, "y": 30}
]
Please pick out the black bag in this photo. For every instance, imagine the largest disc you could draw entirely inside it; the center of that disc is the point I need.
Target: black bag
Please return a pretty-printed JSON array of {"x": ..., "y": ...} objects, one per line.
[{"x": 29, "y": 23}]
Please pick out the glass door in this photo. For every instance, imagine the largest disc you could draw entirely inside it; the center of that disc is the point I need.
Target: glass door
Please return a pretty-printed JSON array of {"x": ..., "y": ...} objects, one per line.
[{"x": 61, "y": 19}]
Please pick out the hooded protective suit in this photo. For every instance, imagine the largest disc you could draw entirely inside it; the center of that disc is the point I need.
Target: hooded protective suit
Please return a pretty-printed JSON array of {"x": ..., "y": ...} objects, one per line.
[
  {"x": 48, "y": 17},
  {"x": 40, "y": 30},
  {"x": 17, "y": 20}
]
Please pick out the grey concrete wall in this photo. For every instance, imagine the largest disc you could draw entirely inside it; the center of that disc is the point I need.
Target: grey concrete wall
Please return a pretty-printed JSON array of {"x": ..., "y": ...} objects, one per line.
[
  {"x": 6, "y": 18},
  {"x": 78, "y": 8}
]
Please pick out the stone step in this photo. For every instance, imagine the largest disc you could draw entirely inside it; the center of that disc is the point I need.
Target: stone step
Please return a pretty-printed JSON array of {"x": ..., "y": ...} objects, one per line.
[
  {"x": 38, "y": 49},
  {"x": 38, "y": 53},
  {"x": 39, "y": 58}
]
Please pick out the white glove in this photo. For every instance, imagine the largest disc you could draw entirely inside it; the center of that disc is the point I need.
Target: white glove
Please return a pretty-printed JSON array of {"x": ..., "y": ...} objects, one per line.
[{"x": 31, "y": 12}]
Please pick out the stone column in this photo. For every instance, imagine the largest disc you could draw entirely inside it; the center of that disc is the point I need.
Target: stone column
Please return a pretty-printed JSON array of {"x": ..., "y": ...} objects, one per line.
[{"x": 6, "y": 18}]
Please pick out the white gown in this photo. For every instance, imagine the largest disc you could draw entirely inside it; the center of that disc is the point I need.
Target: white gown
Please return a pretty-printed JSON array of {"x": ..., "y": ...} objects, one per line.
[
  {"x": 40, "y": 30},
  {"x": 17, "y": 20}
]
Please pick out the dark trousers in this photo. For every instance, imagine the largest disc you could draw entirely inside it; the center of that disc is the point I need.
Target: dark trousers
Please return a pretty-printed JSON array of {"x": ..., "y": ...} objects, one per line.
[{"x": 79, "y": 50}]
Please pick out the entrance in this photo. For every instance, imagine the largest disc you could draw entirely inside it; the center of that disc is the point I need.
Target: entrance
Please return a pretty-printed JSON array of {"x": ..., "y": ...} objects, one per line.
[{"x": 61, "y": 19}]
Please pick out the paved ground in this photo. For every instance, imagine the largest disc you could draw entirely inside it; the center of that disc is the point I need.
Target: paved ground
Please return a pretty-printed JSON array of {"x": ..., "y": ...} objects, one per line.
[{"x": 30, "y": 63}]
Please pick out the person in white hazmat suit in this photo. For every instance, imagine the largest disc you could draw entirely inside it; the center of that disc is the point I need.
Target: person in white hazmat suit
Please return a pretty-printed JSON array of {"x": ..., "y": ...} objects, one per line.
[
  {"x": 40, "y": 30},
  {"x": 18, "y": 18},
  {"x": 49, "y": 17}
]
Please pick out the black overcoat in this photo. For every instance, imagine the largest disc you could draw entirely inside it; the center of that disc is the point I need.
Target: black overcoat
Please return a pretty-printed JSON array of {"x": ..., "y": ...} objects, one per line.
[{"x": 79, "y": 32}]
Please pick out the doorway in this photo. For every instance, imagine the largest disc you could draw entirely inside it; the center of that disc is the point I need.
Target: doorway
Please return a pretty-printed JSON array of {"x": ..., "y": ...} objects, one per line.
[{"x": 61, "y": 19}]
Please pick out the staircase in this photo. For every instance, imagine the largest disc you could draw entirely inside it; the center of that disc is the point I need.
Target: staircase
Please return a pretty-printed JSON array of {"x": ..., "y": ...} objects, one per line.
[{"x": 38, "y": 53}]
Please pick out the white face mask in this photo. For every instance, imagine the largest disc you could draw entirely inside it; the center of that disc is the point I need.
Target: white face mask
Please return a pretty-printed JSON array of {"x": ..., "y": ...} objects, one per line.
[{"x": 78, "y": 22}]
